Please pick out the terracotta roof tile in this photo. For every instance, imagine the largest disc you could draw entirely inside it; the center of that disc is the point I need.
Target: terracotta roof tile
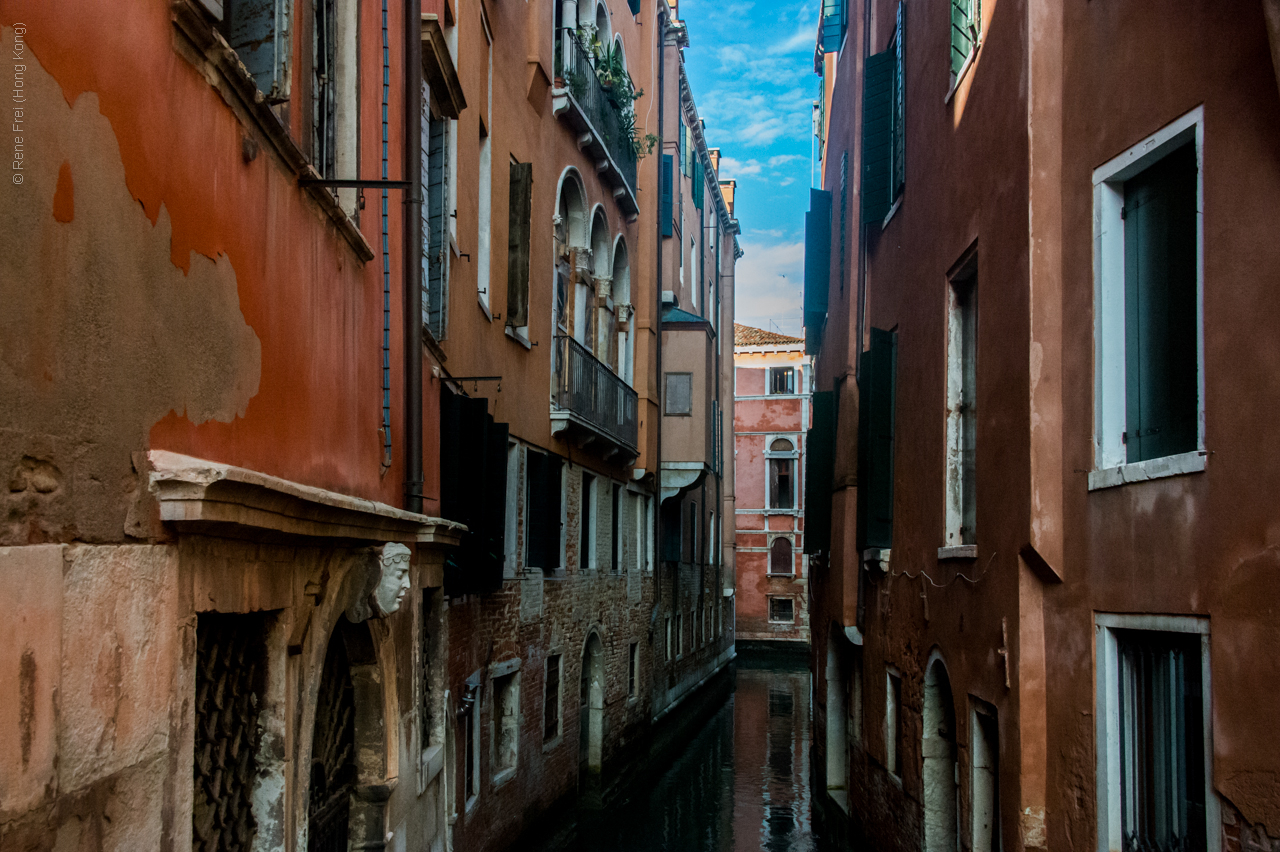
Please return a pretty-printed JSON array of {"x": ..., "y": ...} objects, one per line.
[{"x": 745, "y": 335}]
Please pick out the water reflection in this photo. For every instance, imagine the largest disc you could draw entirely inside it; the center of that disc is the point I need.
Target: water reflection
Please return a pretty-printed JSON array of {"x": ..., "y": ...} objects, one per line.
[{"x": 741, "y": 785}]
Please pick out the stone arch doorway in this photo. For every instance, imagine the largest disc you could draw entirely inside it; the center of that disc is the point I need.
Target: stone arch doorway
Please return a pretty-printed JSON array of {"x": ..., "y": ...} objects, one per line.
[
  {"x": 348, "y": 747},
  {"x": 938, "y": 748},
  {"x": 591, "y": 714}
]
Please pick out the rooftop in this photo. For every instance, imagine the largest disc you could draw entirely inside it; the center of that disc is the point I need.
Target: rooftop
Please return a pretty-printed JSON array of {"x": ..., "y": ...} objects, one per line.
[{"x": 745, "y": 335}]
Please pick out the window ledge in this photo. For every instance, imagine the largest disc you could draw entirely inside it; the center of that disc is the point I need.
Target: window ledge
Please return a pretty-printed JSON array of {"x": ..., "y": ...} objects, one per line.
[
  {"x": 553, "y": 743},
  {"x": 959, "y": 551},
  {"x": 504, "y": 776},
  {"x": 519, "y": 337},
  {"x": 1124, "y": 474},
  {"x": 782, "y": 576},
  {"x": 432, "y": 763}
]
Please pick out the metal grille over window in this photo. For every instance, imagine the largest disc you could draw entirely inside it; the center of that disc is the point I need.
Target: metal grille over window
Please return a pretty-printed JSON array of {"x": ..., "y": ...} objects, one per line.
[
  {"x": 1161, "y": 742},
  {"x": 333, "y": 769},
  {"x": 230, "y": 672}
]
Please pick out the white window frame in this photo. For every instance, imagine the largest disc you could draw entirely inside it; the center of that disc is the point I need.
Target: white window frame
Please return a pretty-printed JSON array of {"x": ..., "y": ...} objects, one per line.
[
  {"x": 795, "y": 380},
  {"x": 1107, "y": 721},
  {"x": 589, "y": 561},
  {"x": 892, "y": 710},
  {"x": 789, "y": 537},
  {"x": 511, "y": 670},
  {"x": 1109, "y": 465},
  {"x": 773, "y": 620}
]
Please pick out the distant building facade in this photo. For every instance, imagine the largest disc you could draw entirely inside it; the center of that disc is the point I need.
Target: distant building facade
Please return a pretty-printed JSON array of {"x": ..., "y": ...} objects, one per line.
[
  {"x": 1038, "y": 292},
  {"x": 772, "y": 375}
]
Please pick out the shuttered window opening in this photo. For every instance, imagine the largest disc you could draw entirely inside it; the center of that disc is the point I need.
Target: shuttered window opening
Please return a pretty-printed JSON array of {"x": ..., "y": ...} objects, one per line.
[
  {"x": 542, "y": 514},
  {"x": 634, "y": 6},
  {"x": 966, "y": 24},
  {"x": 1162, "y": 793},
  {"x": 258, "y": 31},
  {"x": 819, "y": 470},
  {"x": 817, "y": 266},
  {"x": 699, "y": 184},
  {"x": 684, "y": 143},
  {"x": 436, "y": 233},
  {"x": 473, "y": 480},
  {"x": 884, "y": 127},
  {"x": 519, "y": 234},
  {"x": 665, "y": 211},
  {"x": 877, "y": 391},
  {"x": 551, "y": 699},
  {"x": 899, "y": 171},
  {"x": 1161, "y": 381},
  {"x": 835, "y": 21}
]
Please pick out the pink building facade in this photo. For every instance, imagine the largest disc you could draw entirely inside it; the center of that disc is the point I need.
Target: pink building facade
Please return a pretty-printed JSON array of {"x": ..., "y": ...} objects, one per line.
[{"x": 771, "y": 416}]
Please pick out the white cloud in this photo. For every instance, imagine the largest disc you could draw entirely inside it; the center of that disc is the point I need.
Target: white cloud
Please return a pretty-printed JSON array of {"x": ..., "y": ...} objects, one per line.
[
  {"x": 803, "y": 40},
  {"x": 734, "y": 168},
  {"x": 768, "y": 286},
  {"x": 783, "y": 159}
]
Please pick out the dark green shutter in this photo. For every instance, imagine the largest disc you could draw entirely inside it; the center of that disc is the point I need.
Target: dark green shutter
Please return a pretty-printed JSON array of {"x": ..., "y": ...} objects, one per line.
[
  {"x": 877, "y": 391},
  {"x": 899, "y": 173},
  {"x": 437, "y": 225},
  {"x": 542, "y": 496},
  {"x": 819, "y": 466},
  {"x": 817, "y": 266},
  {"x": 634, "y": 6},
  {"x": 1161, "y": 381},
  {"x": 258, "y": 31},
  {"x": 519, "y": 218},
  {"x": 877, "y": 136},
  {"x": 664, "y": 209},
  {"x": 698, "y": 183}
]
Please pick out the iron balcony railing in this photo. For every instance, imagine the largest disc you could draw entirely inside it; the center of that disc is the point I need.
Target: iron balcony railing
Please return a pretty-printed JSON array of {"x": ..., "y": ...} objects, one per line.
[
  {"x": 576, "y": 65},
  {"x": 589, "y": 389}
]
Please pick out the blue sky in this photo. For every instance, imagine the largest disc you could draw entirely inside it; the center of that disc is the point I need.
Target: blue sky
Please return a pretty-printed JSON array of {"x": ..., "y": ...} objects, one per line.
[{"x": 751, "y": 68}]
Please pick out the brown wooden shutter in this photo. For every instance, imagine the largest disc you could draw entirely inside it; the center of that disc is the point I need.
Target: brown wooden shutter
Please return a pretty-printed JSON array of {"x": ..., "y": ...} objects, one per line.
[{"x": 520, "y": 213}]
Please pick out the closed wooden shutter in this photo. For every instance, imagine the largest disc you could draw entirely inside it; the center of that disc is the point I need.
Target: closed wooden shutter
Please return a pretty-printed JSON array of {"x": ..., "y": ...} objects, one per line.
[
  {"x": 819, "y": 463},
  {"x": 1161, "y": 360},
  {"x": 877, "y": 136},
  {"x": 519, "y": 218},
  {"x": 473, "y": 480},
  {"x": 699, "y": 183},
  {"x": 963, "y": 25},
  {"x": 258, "y": 31},
  {"x": 664, "y": 209},
  {"x": 817, "y": 266},
  {"x": 877, "y": 390}
]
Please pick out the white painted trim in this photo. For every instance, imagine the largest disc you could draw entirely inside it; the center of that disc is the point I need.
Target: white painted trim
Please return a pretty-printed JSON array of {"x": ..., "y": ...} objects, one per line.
[
  {"x": 1107, "y": 721},
  {"x": 1143, "y": 471},
  {"x": 1108, "y": 276}
]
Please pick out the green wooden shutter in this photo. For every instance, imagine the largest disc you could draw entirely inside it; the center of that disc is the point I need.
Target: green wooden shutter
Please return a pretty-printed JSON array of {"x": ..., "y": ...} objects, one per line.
[
  {"x": 817, "y": 266},
  {"x": 258, "y": 31},
  {"x": 664, "y": 209},
  {"x": 877, "y": 136},
  {"x": 899, "y": 173},
  {"x": 698, "y": 183},
  {"x": 877, "y": 389},
  {"x": 1161, "y": 361},
  {"x": 961, "y": 34},
  {"x": 819, "y": 466},
  {"x": 834, "y": 18},
  {"x": 519, "y": 232},
  {"x": 634, "y": 6}
]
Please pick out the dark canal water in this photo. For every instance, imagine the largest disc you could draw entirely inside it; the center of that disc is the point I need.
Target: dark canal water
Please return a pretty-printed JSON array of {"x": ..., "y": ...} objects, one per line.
[{"x": 740, "y": 785}]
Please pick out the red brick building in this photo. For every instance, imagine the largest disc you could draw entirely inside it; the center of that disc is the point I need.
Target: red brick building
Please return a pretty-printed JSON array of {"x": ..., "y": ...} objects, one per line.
[{"x": 771, "y": 417}]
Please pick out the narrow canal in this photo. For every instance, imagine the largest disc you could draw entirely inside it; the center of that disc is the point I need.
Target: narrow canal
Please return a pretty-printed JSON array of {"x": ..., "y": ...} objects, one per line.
[{"x": 740, "y": 785}]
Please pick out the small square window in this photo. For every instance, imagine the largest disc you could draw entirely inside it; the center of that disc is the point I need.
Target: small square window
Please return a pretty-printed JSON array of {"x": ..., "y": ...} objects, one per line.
[
  {"x": 782, "y": 609},
  {"x": 782, "y": 380}
]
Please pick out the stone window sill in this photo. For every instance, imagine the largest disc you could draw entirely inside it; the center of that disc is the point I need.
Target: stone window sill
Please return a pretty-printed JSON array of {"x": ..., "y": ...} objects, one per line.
[
  {"x": 1143, "y": 471},
  {"x": 959, "y": 551},
  {"x": 520, "y": 335},
  {"x": 504, "y": 776}
]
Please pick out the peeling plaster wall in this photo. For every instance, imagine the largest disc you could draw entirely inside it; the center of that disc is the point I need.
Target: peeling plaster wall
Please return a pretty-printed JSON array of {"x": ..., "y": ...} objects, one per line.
[{"x": 102, "y": 335}]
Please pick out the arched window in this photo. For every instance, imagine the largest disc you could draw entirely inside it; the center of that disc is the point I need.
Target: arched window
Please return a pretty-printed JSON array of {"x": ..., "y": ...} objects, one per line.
[
  {"x": 780, "y": 558},
  {"x": 622, "y": 306},
  {"x": 781, "y": 483}
]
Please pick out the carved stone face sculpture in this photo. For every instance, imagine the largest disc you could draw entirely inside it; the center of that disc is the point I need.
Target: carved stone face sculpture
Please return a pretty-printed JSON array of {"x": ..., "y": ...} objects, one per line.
[{"x": 394, "y": 582}]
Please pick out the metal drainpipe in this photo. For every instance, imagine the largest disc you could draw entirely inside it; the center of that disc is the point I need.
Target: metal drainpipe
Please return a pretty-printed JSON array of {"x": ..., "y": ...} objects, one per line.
[
  {"x": 657, "y": 514},
  {"x": 413, "y": 256}
]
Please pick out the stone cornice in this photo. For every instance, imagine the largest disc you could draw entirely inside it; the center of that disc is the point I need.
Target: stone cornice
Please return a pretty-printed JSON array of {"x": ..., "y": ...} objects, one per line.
[{"x": 196, "y": 495}]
